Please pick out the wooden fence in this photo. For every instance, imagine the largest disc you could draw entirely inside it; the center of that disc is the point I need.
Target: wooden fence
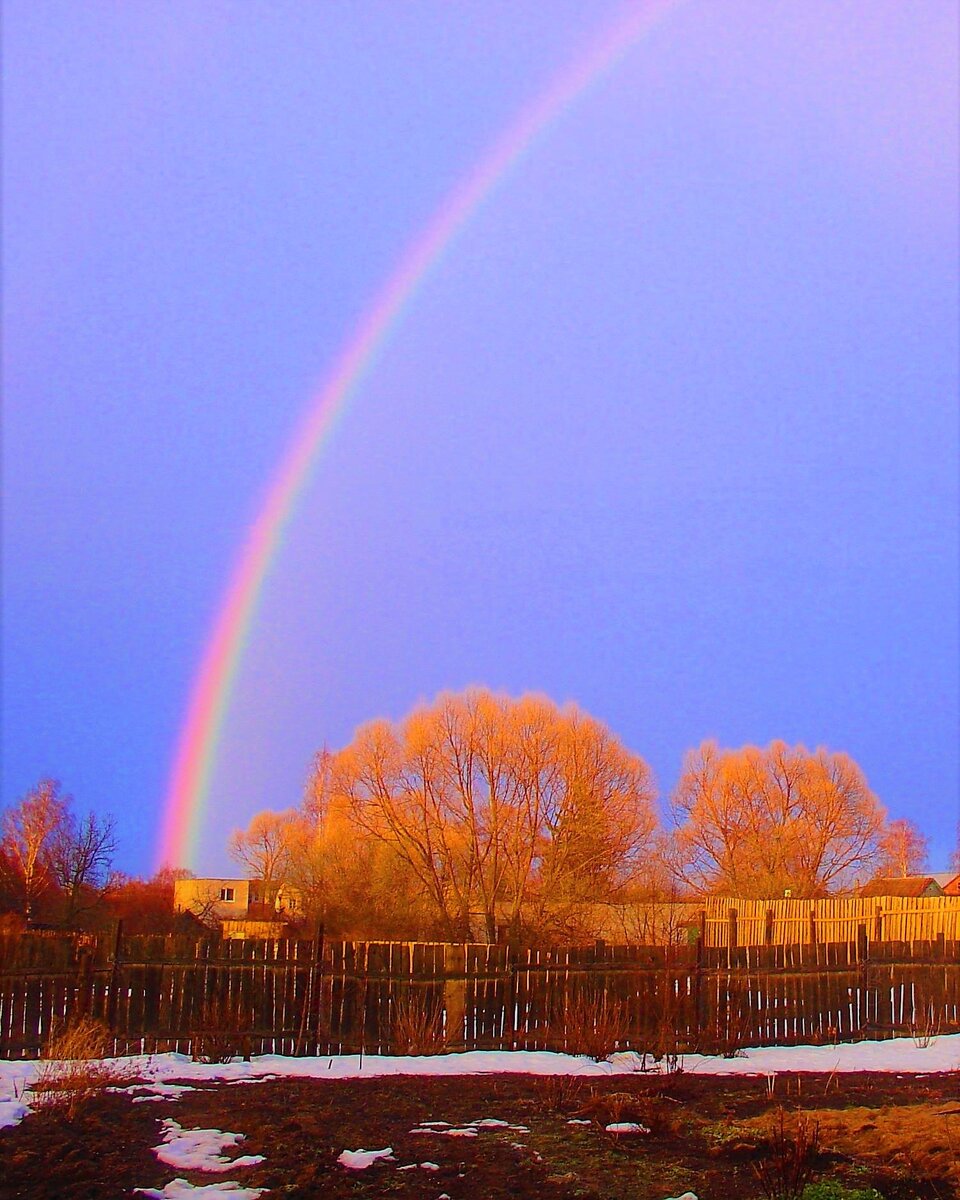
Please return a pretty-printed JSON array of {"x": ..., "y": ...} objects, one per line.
[
  {"x": 728, "y": 921},
  {"x": 219, "y": 997}
]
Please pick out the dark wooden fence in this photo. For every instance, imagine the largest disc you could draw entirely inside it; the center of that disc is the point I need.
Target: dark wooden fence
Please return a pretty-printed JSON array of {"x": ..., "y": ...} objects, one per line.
[{"x": 219, "y": 997}]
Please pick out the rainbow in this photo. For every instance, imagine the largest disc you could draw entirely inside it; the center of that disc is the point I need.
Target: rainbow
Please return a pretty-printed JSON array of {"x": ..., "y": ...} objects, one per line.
[{"x": 210, "y": 694}]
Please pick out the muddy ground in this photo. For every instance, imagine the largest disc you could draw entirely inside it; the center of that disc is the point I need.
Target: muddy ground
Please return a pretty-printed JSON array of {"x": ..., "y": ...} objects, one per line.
[{"x": 898, "y": 1134}]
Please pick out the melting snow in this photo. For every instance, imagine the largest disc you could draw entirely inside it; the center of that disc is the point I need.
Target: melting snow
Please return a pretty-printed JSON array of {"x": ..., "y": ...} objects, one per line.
[
  {"x": 200, "y": 1149},
  {"x": 626, "y": 1127},
  {"x": 180, "y": 1189},
  {"x": 359, "y": 1160},
  {"x": 12, "y": 1112},
  {"x": 154, "y": 1091},
  {"x": 898, "y": 1055}
]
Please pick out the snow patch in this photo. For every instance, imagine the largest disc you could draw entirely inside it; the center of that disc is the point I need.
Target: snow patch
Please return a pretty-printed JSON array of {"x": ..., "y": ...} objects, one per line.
[
  {"x": 180, "y": 1189},
  {"x": 153, "y": 1091},
  {"x": 896, "y": 1055},
  {"x": 200, "y": 1149},
  {"x": 620, "y": 1127},
  {"x": 359, "y": 1160},
  {"x": 12, "y": 1112}
]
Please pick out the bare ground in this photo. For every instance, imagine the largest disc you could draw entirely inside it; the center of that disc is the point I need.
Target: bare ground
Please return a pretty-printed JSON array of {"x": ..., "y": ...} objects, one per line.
[{"x": 898, "y": 1134}]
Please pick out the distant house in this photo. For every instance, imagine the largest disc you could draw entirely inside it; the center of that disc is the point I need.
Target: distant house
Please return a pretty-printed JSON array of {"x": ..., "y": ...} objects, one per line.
[
  {"x": 241, "y": 907},
  {"x": 912, "y": 886},
  {"x": 949, "y": 881}
]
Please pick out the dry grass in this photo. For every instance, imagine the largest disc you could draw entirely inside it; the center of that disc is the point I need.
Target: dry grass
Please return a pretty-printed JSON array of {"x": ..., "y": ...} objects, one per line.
[
  {"x": 609, "y": 1108},
  {"x": 921, "y": 1140},
  {"x": 75, "y": 1068}
]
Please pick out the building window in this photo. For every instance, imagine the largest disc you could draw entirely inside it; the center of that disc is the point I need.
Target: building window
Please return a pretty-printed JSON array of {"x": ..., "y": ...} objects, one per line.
[{"x": 226, "y": 894}]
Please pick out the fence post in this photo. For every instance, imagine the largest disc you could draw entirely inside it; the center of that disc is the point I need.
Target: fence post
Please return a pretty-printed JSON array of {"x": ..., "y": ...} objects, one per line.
[
  {"x": 84, "y": 984},
  {"x": 863, "y": 943},
  {"x": 115, "y": 977},
  {"x": 878, "y": 925},
  {"x": 698, "y": 985},
  {"x": 455, "y": 992},
  {"x": 768, "y": 928},
  {"x": 813, "y": 922}
]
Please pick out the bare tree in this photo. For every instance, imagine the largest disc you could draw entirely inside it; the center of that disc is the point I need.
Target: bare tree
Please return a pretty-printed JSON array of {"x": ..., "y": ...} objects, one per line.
[
  {"x": 903, "y": 849},
  {"x": 755, "y": 822},
  {"x": 81, "y": 855},
  {"x": 28, "y": 831},
  {"x": 264, "y": 846}
]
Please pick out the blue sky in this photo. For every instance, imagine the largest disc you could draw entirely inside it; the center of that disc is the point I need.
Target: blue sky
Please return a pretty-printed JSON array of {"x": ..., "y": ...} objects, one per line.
[{"x": 671, "y": 430}]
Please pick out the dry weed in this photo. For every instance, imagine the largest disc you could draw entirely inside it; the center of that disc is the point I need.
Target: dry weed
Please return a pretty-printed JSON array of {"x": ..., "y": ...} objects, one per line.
[
  {"x": 75, "y": 1068},
  {"x": 611, "y": 1108},
  {"x": 559, "y": 1093}
]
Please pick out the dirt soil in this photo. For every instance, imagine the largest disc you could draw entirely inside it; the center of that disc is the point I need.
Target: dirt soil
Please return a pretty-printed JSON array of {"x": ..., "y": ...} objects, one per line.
[{"x": 898, "y": 1134}]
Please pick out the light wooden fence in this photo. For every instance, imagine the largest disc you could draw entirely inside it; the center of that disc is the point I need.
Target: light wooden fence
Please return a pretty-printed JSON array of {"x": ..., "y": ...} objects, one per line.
[
  {"x": 219, "y": 997},
  {"x": 728, "y": 921}
]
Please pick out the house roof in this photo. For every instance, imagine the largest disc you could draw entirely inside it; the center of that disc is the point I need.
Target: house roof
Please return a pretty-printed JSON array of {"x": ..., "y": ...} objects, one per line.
[
  {"x": 908, "y": 885},
  {"x": 945, "y": 878}
]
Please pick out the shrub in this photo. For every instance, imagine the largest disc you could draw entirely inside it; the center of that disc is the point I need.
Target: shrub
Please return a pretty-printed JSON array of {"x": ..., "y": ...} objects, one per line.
[
  {"x": 223, "y": 1034},
  {"x": 596, "y": 1026},
  {"x": 75, "y": 1069},
  {"x": 559, "y": 1093},
  {"x": 416, "y": 1028},
  {"x": 787, "y": 1166}
]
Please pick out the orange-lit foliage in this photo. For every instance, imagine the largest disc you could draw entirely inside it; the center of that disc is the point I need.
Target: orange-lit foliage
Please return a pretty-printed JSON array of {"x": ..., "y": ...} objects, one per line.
[
  {"x": 146, "y": 905},
  {"x": 264, "y": 846},
  {"x": 510, "y": 811},
  {"x": 758, "y": 821}
]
